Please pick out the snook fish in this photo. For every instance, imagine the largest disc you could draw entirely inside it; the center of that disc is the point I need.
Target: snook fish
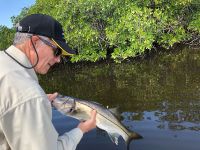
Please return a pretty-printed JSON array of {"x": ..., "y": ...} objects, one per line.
[{"x": 105, "y": 119}]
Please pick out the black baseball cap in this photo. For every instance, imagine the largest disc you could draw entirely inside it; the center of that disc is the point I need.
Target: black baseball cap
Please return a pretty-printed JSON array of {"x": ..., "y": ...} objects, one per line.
[{"x": 45, "y": 25}]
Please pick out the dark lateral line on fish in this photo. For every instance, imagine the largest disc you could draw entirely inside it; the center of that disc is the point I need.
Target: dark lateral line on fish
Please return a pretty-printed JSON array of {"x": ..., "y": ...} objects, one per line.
[{"x": 104, "y": 116}]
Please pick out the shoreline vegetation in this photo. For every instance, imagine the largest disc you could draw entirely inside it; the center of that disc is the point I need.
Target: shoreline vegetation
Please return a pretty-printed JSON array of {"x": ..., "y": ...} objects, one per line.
[{"x": 118, "y": 30}]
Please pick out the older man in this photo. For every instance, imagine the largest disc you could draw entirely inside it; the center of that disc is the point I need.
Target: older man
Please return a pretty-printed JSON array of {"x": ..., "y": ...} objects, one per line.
[{"x": 25, "y": 110}]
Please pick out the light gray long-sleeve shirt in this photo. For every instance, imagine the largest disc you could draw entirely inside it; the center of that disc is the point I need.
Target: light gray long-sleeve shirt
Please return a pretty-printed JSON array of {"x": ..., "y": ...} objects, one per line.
[{"x": 25, "y": 111}]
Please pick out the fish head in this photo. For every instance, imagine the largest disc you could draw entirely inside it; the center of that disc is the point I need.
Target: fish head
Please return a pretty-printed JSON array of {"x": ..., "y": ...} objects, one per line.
[{"x": 64, "y": 104}]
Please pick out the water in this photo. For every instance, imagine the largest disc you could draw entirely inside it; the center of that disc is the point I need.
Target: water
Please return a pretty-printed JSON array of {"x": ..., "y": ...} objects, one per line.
[{"x": 158, "y": 97}]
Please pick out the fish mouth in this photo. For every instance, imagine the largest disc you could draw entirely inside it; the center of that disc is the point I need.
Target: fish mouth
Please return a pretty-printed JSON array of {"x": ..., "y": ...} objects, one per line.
[
  {"x": 64, "y": 103},
  {"x": 71, "y": 110},
  {"x": 72, "y": 107}
]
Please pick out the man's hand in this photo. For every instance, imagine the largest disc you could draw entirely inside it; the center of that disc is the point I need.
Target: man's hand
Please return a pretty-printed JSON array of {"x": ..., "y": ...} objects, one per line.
[
  {"x": 89, "y": 124},
  {"x": 51, "y": 97}
]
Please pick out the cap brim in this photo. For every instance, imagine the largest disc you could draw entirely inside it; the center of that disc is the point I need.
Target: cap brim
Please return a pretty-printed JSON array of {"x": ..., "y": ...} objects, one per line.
[{"x": 66, "y": 50}]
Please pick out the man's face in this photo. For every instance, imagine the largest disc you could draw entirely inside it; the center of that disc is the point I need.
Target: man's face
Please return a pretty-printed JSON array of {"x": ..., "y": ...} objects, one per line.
[{"x": 46, "y": 56}]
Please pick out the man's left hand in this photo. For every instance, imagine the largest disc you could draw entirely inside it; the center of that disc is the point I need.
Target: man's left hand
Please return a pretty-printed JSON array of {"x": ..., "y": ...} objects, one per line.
[{"x": 51, "y": 97}]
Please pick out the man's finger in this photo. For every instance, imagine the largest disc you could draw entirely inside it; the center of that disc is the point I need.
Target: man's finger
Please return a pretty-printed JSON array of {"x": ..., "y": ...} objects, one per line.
[{"x": 93, "y": 114}]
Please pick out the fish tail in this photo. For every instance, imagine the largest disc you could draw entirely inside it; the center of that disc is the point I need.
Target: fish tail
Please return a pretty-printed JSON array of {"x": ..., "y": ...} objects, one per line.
[{"x": 133, "y": 136}]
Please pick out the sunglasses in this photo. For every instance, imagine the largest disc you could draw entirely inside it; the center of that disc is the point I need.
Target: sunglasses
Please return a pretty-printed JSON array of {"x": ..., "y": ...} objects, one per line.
[{"x": 56, "y": 50}]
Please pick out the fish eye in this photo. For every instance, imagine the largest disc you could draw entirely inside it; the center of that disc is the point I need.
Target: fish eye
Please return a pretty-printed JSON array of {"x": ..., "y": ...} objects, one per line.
[{"x": 71, "y": 110}]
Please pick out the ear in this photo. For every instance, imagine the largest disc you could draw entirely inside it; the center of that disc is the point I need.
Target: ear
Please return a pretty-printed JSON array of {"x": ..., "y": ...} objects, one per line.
[{"x": 33, "y": 41}]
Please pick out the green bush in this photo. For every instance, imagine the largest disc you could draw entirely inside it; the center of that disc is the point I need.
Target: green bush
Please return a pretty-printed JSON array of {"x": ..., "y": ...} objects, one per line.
[
  {"x": 6, "y": 36},
  {"x": 121, "y": 29}
]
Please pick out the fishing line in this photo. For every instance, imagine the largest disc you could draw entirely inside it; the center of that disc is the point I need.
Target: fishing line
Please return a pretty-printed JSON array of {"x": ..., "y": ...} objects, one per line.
[{"x": 21, "y": 63}]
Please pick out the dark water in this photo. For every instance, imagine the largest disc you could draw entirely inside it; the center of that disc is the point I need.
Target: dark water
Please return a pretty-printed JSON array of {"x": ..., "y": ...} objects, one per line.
[{"x": 158, "y": 97}]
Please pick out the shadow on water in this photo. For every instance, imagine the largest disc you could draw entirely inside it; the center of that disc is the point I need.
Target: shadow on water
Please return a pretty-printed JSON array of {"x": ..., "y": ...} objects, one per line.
[{"x": 159, "y": 98}]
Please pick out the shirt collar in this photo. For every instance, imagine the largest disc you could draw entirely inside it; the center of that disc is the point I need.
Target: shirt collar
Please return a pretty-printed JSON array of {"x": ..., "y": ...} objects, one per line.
[{"x": 22, "y": 58}]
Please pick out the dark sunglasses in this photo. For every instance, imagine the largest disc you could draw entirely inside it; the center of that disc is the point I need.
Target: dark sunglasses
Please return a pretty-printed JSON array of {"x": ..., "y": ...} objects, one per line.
[{"x": 56, "y": 50}]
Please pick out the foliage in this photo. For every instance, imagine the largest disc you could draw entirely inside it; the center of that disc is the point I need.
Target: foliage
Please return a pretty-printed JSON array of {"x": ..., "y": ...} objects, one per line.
[
  {"x": 23, "y": 13},
  {"x": 195, "y": 23},
  {"x": 127, "y": 28},
  {"x": 121, "y": 29},
  {"x": 133, "y": 31},
  {"x": 6, "y": 36}
]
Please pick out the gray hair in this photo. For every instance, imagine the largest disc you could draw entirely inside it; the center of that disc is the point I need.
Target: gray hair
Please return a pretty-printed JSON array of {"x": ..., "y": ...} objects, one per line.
[{"x": 22, "y": 37}]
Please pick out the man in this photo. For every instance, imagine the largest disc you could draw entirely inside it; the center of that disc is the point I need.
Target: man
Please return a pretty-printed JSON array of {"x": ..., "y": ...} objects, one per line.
[{"x": 25, "y": 109}]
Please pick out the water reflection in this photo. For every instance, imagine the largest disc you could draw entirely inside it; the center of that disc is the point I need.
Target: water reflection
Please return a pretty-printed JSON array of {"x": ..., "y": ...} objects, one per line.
[
  {"x": 159, "y": 97},
  {"x": 173, "y": 121}
]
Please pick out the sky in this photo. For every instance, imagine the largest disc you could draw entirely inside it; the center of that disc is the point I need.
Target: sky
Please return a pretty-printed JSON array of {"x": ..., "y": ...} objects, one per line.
[{"x": 9, "y": 8}]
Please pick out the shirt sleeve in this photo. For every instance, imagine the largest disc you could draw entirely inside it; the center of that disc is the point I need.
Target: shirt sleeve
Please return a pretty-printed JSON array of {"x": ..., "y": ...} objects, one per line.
[
  {"x": 29, "y": 126},
  {"x": 74, "y": 136}
]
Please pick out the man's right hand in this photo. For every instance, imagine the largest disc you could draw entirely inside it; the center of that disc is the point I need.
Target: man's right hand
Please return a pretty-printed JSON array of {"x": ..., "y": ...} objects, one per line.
[{"x": 89, "y": 124}]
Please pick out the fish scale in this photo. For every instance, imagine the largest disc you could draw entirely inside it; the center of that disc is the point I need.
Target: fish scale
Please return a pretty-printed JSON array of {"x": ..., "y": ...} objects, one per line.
[{"x": 105, "y": 119}]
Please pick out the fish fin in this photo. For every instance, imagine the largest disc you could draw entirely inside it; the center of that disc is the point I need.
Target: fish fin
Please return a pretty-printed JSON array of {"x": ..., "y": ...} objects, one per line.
[
  {"x": 133, "y": 135},
  {"x": 114, "y": 137},
  {"x": 114, "y": 110},
  {"x": 96, "y": 103},
  {"x": 101, "y": 132},
  {"x": 99, "y": 129}
]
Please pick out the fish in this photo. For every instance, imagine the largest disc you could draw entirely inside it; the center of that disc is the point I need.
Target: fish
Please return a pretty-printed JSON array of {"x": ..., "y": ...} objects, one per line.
[{"x": 105, "y": 119}]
